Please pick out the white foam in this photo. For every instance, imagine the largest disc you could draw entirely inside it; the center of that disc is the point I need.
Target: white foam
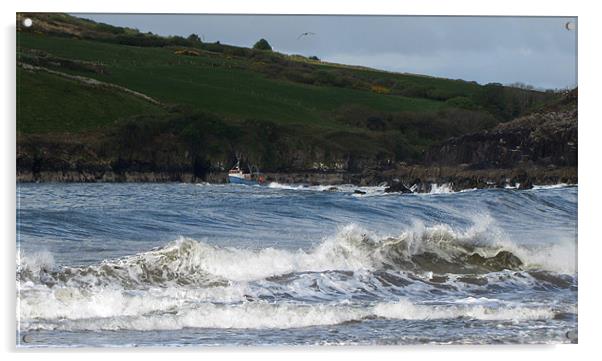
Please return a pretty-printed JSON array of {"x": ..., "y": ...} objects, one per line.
[
  {"x": 263, "y": 315},
  {"x": 561, "y": 258},
  {"x": 36, "y": 261},
  {"x": 343, "y": 188},
  {"x": 406, "y": 310},
  {"x": 74, "y": 303},
  {"x": 346, "y": 251},
  {"x": 551, "y": 186},
  {"x": 277, "y": 185},
  {"x": 441, "y": 188}
]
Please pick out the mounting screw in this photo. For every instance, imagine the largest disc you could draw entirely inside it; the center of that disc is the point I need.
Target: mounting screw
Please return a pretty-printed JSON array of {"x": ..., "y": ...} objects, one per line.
[{"x": 570, "y": 26}]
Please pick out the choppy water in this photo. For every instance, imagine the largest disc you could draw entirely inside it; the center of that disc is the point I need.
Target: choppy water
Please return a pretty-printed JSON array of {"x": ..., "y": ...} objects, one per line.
[{"x": 182, "y": 264}]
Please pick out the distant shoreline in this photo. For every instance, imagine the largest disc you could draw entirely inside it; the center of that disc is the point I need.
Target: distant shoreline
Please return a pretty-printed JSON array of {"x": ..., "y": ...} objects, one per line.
[{"x": 422, "y": 177}]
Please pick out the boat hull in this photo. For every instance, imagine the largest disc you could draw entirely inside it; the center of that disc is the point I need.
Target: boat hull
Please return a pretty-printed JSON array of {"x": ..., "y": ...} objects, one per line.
[{"x": 237, "y": 180}]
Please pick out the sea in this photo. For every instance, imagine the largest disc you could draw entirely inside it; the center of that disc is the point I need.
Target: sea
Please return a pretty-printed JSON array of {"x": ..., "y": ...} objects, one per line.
[{"x": 196, "y": 265}]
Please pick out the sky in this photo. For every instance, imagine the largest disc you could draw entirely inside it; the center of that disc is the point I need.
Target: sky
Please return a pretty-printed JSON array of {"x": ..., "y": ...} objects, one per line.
[{"x": 538, "y": 51}]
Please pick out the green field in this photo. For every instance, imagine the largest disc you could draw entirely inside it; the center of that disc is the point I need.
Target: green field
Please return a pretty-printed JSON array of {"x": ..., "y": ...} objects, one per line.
[
  {"x": 50, "y": 103},
  {"x": 204, "y": 83}
]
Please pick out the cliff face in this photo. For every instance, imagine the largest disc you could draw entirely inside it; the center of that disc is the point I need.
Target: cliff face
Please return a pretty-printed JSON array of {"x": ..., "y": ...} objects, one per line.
[
  {"x": 165, "y": 158},
  {"x": 539, "y": 148},
  {"x": 546, "y": 138}
]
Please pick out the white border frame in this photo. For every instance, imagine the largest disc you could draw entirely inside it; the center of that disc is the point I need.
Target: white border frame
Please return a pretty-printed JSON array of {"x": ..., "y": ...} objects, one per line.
[{"x": 589, "y": 169}]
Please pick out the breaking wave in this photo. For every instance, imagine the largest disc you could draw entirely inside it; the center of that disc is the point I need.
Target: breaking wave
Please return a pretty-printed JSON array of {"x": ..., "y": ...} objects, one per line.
[
  {"x": 190, "y": 283},
  {"x": 439, "y": 249}
]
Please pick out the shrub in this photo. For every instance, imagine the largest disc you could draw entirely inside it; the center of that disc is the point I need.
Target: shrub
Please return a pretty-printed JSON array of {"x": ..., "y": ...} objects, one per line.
[
  {"x": 236, "y": 51},
  {"x": 299, "y": 76},
  {"x": 461, "y": 102},
  {"x": 415, "y": 91},
  {"x": 376, "y": 123},
  {"x": 179, "y": 41},
  {"x": 379, "y": 89},
  {"x": 215, "y": 47},
  {"x": 194, "y": 38},
  {"x": 109, "y": 28},
  {"x": 262, "y": 44},
  {"x": 141, "y": 40}
]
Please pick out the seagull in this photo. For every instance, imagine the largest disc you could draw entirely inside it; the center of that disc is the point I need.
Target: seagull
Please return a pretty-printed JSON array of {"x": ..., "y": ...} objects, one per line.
[{"x": 305, "y": 34}]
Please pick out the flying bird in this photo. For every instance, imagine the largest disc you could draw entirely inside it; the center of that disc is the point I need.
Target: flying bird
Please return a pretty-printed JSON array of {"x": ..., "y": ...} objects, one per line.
[{"x": 305, "y": 34}]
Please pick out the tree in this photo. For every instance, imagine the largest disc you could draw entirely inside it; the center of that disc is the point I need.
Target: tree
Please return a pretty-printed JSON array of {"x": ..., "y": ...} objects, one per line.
[
  {"x": 521, "y": 85},
  {"x": 195, "y": 38},
  {"x": 492, "y": 97},
  {"x": 262, "y": 44}
]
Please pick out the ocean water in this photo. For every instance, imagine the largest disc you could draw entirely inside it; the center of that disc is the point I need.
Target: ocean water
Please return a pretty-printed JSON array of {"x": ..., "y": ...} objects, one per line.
[{"x": 200, "y": 264}]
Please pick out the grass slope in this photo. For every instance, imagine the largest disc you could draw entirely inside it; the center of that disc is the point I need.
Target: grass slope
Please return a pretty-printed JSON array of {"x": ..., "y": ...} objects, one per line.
[
  {"x": 50, "y": 103},
  {"x": 216, "y": 85}
]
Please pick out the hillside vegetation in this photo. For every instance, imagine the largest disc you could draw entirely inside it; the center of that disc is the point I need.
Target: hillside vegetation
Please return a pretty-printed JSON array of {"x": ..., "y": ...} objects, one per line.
[{"x": 138, "y": 101}]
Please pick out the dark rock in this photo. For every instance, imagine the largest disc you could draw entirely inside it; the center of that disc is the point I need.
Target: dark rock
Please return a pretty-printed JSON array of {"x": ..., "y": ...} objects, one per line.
[
  {"x": 357, "y": 191},
  {"x": 397, "y": 188},
  {"x": 392, "y": 279},
  {"x": 479, "y": 281},
  {"x": 561, "y": 281},
  {"x": 501, "y": 261},
  {"x": 439, "y": 278}
]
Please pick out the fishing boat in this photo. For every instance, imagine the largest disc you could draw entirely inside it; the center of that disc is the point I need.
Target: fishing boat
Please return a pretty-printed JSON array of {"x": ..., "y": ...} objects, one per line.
[{"x": 237, "y": 176}]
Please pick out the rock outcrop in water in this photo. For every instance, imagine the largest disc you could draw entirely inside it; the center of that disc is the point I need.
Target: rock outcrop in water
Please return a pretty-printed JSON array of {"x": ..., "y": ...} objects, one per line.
[{"x": 398, "y": 188}]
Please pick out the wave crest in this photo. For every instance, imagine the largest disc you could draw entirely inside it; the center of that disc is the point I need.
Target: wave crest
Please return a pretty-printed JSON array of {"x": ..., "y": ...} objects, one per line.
[
  {"x": 189, "y": 283},
  {"x": 438, "y": 249}
]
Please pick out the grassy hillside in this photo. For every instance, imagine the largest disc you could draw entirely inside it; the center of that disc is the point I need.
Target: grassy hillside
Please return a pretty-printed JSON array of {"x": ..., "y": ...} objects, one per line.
[
  {"x": 215, "y": 85},
  {"x": 50, "y": 103},
  {"x": 214, "y": 100}
]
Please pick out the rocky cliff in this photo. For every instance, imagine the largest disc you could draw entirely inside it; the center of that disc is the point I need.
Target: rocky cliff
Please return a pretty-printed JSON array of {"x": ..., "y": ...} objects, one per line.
[
  {"x": 545, "y": 138},
  {"x": 538, "y": 148}
]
